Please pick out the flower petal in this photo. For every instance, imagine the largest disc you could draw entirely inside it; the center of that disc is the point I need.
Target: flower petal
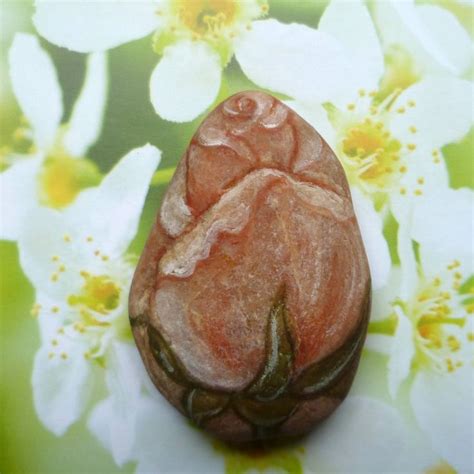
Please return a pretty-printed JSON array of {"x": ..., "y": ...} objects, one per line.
[
  {"x": 432, "y": 35},
  {"x": 452, "y": 39},
  {"x": 379, "y": 343},
  {"x": 384, "y": 297},
  {"x": 36, "y": 87},
  {"x": 18, "y": 190},
  {"x": 99, "y": 423},
  {"x": 112, "y": 210},
  {"x": 372, "y": 436},
  {"x": 406, "y": 253},
  {"x": 186, "y": 81},
  {"x": 402, "y": 352},
  {"x": 162, "y": 428},
  {"x": 295, "y": 60},
  {"x": 441, "y": 111},
  {"x": 86, "y": 120},
  {"x": 442, "y": 405},
  {"x": 40, "y": 242},
  {"x": 108, "y": 24},
  {"x": 113, "y": 420},
  {"x": 442, "y": 224},
  {"x": 61, "y": 388},
  {"x": 49, "y": 323},
  {"x": 421, "y": 168},
  {"x": 315, "y": 115},
  {"x": 375, "y": 244},
  {"x": 351, "y": 24}
]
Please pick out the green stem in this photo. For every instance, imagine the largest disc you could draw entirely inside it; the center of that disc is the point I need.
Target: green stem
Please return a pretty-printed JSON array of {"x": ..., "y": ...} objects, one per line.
[
  {"x": 163, "y": 176},
  {"x": 385, "y": 326}
]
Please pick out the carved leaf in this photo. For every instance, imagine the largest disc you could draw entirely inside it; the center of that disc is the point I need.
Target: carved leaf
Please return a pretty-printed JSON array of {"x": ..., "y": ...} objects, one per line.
[
  {"x": 321, "y": 376},
  {"x": 266, "y": 414},
  {"x": 201, "y": 405},
  {"x": 276, "y": 373},
  {"x": 164, "y": 356}
]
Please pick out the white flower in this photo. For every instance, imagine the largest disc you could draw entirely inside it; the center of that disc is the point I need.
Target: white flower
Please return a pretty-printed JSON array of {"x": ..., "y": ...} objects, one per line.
[
  {"x": 365, "y": 435},
  {"x": 195, "y": 39},
  {"x": 115, "y": 421},
  {"x": 433, "y": 309},
  {"x": 44, "y": 166},
  {"x": 77, "y": 262},
  {"x": 369, "y": 431},
  {"x": 389, "y": 145},
  {"x": 420, "y": 40}
]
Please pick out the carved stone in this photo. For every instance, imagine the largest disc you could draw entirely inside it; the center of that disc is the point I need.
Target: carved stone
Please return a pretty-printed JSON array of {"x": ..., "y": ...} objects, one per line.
[{"x": 250, "y": 301}]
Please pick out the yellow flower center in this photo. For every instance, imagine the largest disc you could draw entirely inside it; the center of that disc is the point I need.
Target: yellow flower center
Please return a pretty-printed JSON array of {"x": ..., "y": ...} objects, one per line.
[
  {"x": 95, "y": 308},
  {"x": 206, "y": 16},
  {"x": 440, "y": 313},
  {"x": 217, "y": 22},
  {"x": 374, "y": 159},
  {"x": 99, "y": 294},
  {"x": 371, "y": 154},
  {"x": 62, "y": 178},
  {"x": 400, "y": 72},
  {"x": 440, "y": 468}
]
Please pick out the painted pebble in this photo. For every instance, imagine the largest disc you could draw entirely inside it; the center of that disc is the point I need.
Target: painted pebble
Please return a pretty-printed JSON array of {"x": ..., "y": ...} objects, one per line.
[{"x": 251, "y": 299}]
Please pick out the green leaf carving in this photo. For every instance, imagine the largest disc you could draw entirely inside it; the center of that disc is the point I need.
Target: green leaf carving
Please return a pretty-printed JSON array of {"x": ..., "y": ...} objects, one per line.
[
  {"x": 265, "y": 414},
  {"x": 321, "y": 376},
  {"x": 276, "y": 373},
  {"x": 164, "y": 356},
  {"x": 202, "y": 404}
]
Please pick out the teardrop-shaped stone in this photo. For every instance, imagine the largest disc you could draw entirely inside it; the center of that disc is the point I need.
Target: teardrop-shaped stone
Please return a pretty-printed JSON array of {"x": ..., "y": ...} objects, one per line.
[{"x": 250, "y": 301}]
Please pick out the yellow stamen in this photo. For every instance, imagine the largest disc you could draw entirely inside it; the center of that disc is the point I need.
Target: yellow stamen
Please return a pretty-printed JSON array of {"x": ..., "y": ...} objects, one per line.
[{"x": 99, "y": 294}]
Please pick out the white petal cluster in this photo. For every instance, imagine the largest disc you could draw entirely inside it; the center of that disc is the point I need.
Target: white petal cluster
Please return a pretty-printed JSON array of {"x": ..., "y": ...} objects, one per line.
[
  {"x": 77, "y": 261},
  {"x": 48, "y": 169},
  {"x": 195, "y": 40}
]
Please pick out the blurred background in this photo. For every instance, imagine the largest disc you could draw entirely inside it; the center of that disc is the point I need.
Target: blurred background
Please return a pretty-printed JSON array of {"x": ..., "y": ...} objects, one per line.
[{"x": 130, "y": 121}]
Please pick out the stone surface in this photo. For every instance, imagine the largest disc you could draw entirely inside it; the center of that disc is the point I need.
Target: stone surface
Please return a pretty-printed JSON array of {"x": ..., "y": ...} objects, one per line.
[{"x": 250, "y": 301}]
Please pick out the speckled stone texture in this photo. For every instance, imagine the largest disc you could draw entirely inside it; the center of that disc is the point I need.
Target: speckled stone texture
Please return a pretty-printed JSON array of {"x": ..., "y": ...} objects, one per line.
[{"x": 250, "y": 301}]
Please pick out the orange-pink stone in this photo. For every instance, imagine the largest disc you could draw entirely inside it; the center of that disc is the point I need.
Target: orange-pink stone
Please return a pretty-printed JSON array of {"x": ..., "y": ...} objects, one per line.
[{"x": 250, "y": 301}]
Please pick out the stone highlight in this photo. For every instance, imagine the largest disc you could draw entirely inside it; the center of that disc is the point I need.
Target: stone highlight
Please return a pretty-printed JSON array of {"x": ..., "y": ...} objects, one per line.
[{"x": 251, "y": 299}]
